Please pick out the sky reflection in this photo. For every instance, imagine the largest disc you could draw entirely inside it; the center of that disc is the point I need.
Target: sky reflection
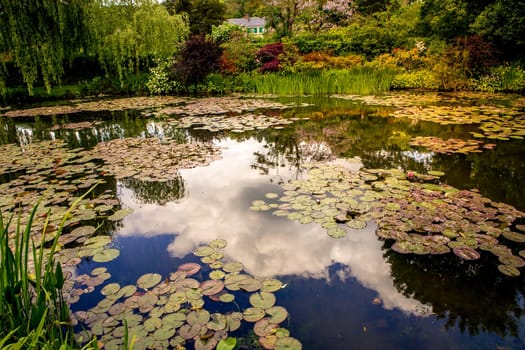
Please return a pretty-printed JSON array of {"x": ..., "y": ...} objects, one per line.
[{"x": 216, "y": 206}]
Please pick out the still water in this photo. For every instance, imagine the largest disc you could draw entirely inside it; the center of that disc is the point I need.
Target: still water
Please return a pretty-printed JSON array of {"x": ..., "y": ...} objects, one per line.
[{"x": 349, "y": 293}]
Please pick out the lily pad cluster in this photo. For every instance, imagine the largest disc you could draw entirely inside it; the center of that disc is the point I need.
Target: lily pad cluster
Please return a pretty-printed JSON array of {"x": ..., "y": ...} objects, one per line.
[
  {"x": 495, "y": 123},
  {"x": 172, "y": 311},
  {"x": 438, "y": 145},
  {"x": 239, "y": 123},
  {"x": 220, "y": 105},
  {"x": 51, "y": 174},
  {"x": 137, "y": 103},
  {"x": 151, "y": 159},
  {"x": 419, "y": 214}
]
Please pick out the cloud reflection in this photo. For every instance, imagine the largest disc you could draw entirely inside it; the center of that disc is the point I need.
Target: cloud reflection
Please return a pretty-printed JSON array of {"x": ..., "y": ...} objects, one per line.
[{"x": 217, "y": 207}]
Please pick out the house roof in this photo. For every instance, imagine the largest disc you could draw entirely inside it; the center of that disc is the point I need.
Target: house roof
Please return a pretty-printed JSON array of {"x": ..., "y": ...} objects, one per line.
[{"x": 248, "y": 21}]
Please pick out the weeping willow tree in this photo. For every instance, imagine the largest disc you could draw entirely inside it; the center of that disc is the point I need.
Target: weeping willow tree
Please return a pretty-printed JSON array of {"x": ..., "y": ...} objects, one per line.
[
  {"x": 39, "y": 36},
  {"x": 128, "y": 32}
]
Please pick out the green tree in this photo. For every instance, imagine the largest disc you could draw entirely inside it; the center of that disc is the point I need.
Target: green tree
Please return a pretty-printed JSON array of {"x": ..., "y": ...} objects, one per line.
[
  {"x": 204, "y": 14},
  {"x": 503, "y": 22},
  {"x": 39, "y": 36},
  {"x": 128, "y": 33}
]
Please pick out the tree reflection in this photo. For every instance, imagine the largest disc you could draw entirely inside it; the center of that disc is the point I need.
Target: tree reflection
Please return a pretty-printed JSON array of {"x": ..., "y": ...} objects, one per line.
[
  {"x": 471, "y": 295},
  {"x": 159, "y": 192}
]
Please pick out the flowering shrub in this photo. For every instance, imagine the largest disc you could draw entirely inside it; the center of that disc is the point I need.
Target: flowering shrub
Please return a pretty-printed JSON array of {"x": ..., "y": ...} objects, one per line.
[{"x": 159, "y": 81}]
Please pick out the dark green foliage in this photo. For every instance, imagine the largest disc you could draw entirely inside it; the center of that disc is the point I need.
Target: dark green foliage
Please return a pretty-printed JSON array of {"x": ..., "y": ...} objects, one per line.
[
  {"x": 197, "y": 59},
  {"x": 39, "y": 36},
  {"x": 204, "y": 14},
  {"x": 368, "y": 7},
  {"x": 503, "y": 22}
]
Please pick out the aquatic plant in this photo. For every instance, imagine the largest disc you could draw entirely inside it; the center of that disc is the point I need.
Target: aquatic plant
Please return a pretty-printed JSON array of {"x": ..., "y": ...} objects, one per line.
[
  {"x": 419, "y": 214},
  {"x": 162, "y": 311}
]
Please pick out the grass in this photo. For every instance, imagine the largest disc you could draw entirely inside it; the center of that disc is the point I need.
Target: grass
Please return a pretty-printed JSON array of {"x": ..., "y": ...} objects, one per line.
[{"x": 359, "y": 80}]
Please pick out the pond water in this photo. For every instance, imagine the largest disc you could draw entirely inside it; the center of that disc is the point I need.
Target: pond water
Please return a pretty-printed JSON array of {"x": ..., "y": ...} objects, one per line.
[{"x": 340, "y": 293}]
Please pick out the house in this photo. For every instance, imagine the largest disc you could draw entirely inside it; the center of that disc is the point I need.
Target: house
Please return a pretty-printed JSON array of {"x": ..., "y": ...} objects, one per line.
[{"x": 253, "y": 25}]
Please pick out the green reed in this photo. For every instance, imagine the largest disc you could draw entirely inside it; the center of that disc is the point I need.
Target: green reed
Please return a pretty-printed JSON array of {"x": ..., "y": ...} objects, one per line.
[
  {"x": 33, "y": 312},
  {"x": 359, "y": 80}
]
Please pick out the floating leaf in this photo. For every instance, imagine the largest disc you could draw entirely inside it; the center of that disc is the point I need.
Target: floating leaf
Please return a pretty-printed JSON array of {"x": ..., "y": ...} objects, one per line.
[
  {"x": 120, "y": 214},
  {"x": 263, "y": 327},
  {"x": 226, "y": 298},
  {"x": 466, "y": 253},
  {"x": 253, "y": 314},
  {"x": 204, "y": 251},
  {"x": 262, "y": 300},
  {"x": 211, "y": 287},
  {"x": 148, "y": 280},
  {"x": 110, "y": 289},
  {"x": 189, "y": 268},
  {"x": 200, "y": 317},
  {"x": 278, "y": 314},
  {"x": 509, "y": 270},
  {"x": 233, "y": 266},
  {"x": 288, "y": 343},
  {"x": 218, "y": 244},
  {"x": 106, "y": 255},
  {"x": 271, "y": 285}
]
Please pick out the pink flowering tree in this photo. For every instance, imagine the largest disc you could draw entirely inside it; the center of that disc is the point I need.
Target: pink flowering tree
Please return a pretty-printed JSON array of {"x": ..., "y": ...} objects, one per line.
[{"x": 285, "y": 16}]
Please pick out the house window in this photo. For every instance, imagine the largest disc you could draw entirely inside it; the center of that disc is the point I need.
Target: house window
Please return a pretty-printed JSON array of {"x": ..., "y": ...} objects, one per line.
[{"x": 261, "y": 30}]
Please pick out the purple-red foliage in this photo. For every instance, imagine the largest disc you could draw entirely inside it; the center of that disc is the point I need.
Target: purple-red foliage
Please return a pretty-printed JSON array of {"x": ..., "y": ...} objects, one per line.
[
  {"x": 481, "y": 53},
  {"x": 196, "y": 60},
  {"x": 268, "y": 56}
]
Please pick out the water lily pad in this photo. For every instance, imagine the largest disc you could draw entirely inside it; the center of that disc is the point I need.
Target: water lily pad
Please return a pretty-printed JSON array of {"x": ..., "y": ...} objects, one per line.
[
  {"x": 514, "y": 236},
  {"x": 288, "y": 343},
  {"x": 204, "y": 251},
  {"x": 106, "y": 255},
  {"x": 174, "y": 320},
  {"x": 253, "y": 314},
  {"x": 271, "y": 285},
  {"x": 211, "y": 287},
  {"x": 149, "y": 280},
  {"x": 268, "y": 342},
  {"x": 466, "y": 253},
  {"x": 262, "y": 300},
  {"x": 227, "y": 297},
  {"x": 278, "y": 314},
  {"x": 217, "y": 322},
  {"x": 263, "y": 327},
  {"x": 218, "y": 244},
  {"x": 120, "y": 214},
  {"x": 189, "y": 331},
  {"x": 250, "y": 284},
  {"x": 231, "y": 282},
  {"x": 512, "y": 260},
  {"x": 198, "y": 317},
  {"x": 189, "y": 268},
  {"x": 337, "y": 232},
  {"x": 233, "y": 266},
  {"x": 509, "y": 270},
  {"x": 110, "y": 289},
  {"x": 164, "y": 333},
  {"x": 217, "y": 275}
]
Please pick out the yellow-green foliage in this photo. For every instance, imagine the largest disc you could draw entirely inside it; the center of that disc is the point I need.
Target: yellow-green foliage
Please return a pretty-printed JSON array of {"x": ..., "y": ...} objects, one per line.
[
  {"x": 323, "y": 60},
  {"x": 420, "y": 79}
]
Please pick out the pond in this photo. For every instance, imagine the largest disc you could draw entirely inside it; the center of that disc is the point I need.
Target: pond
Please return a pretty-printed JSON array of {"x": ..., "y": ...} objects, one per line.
[{"x": 390, "y": 222}]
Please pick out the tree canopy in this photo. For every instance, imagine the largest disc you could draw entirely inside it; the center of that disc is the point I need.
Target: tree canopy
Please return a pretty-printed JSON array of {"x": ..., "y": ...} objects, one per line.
[{"x": 38, "y": 36}]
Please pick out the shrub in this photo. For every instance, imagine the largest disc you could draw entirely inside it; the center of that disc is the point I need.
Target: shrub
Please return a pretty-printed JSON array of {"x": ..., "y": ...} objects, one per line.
[
  {"x": 198, "y": 58},
  {"x": 421, "y": 79},
  {"x": 160, "y": 81},
  {"x": 509, "y": 78},
  {"x": 268, "y": 57}
]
